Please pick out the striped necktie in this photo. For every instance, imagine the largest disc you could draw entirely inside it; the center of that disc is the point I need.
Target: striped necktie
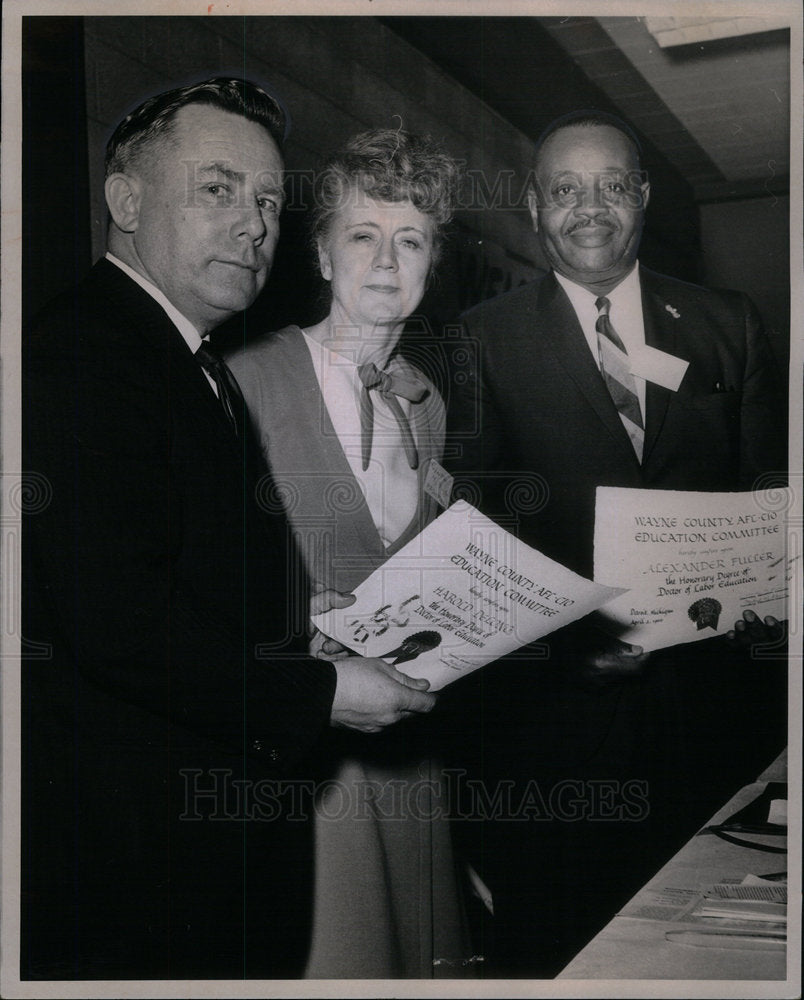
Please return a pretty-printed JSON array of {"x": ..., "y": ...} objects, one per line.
[{"x": 616, "y": 371}]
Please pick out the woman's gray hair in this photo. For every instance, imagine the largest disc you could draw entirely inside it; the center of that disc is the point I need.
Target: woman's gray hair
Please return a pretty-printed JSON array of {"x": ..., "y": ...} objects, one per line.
[{"x": 388, "y": 165}]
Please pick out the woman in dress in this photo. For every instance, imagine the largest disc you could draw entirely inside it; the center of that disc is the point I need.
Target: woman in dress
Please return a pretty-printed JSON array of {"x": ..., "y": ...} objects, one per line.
[{"x": 349, "y": 428}]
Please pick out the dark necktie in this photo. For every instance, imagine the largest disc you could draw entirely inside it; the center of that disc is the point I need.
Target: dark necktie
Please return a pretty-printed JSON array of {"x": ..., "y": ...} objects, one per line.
[
  {"x": 616, "y": 371},
  {"x": 389, "y": 387},
  {"x": 229, "y": 394}
]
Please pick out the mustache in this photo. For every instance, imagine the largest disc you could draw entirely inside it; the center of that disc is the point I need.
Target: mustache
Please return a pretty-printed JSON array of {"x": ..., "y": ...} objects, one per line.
[{"x": 600, "y": 222}]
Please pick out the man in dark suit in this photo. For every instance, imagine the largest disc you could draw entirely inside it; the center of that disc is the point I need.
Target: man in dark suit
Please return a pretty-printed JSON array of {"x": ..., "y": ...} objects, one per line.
[
  {"x": 559, "y": 389},
  {"x": 166, "y": 728}
]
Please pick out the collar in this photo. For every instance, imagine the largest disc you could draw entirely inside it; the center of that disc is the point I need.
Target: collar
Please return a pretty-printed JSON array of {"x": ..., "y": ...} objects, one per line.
[
  {"x": 327, "y": 359},
  {"x": 626, "y": 309},
  {"x": 624, "y": 295},
  {"x": 182, "y": 324}
]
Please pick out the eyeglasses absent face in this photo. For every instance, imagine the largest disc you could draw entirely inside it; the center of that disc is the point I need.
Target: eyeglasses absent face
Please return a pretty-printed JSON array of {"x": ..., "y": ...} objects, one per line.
[
  {"x": 208, "y": 213},
  {"x": 588, "y": 204},
  {"x": 377, "y": 255}
]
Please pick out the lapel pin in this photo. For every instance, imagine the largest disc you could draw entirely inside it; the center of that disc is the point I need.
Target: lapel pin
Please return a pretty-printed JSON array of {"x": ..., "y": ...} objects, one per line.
[{"x": 673, "y": 311}]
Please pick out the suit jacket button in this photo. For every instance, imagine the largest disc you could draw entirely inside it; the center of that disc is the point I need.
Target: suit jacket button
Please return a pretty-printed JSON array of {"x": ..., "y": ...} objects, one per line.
[
  {"x": 274, "y": 755},
  {"x": 256, "y": 745}
]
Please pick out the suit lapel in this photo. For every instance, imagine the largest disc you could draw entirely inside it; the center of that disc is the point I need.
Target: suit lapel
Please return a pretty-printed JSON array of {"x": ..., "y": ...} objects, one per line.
[
  {"x": 188, "y": 373},
  {"x": 565, "y": 339},
  {"x": 660, "y": 332},
  {"x": 172, "y": 358}
]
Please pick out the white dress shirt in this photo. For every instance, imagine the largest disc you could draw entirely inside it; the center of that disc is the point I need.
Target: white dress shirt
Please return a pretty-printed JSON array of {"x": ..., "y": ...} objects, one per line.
[
  {"x": 390, "y": 486},
  {"x": 625, "y": 314}
]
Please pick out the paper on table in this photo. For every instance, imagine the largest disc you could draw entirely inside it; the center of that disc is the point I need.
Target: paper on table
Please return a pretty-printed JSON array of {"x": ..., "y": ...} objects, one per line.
[
  {"x": 693, "y": 562},
  {"x": 727, "y": 902},
  {"x": 663, "y": 902},
  {"x": 754, "y": 903},
  {"x": 462, "y": 593}
]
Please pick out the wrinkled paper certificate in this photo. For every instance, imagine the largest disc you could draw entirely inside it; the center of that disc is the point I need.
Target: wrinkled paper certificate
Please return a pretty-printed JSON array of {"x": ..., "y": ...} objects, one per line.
[
  {"x": 462, "y": 593},
  {"x": 693, "y": 561}
]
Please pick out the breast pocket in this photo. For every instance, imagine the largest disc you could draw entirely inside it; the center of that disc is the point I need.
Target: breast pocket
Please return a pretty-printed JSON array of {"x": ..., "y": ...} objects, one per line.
[{"x": 711, "y": 402}]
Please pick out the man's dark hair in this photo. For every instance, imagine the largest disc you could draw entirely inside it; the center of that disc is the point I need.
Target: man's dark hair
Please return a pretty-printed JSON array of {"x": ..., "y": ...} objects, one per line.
[
  {"x": 154, "y": 119},
  {"x": 589, "y": 118}
]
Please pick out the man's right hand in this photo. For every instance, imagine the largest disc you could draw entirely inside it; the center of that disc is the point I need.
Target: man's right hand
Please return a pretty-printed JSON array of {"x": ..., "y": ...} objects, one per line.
[
  {"x": 371, "y": 694},
  {"x": 751, "y": 630}
]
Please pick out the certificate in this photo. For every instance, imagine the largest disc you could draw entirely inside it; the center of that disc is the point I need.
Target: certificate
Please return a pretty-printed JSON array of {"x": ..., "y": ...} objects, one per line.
[
  {"x": 693, "y": 562},
  {"x": 462, "y": 593}
]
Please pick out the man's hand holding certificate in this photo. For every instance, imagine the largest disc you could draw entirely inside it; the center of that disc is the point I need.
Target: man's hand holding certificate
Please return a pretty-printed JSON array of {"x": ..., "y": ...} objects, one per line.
[
  {"x": 693, "y": 562},
  {"x": 461, "y": 594}
]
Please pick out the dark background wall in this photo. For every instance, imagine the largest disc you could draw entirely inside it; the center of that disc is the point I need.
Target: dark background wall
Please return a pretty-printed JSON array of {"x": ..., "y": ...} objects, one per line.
[
  {"x": 339, "y": 75},
  {"x": 745, "y": 245},
  {"x": 56, "y": 244}
]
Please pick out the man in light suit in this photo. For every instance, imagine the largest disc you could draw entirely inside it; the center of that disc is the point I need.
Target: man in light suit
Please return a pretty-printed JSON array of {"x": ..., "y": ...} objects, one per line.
[
  {"x": 550, "y": 393},
  {"x": 174, "y": 699}
]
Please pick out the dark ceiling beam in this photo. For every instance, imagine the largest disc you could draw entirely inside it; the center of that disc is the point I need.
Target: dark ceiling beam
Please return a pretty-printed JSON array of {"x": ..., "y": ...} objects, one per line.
[{"x": 585, "y": 40}]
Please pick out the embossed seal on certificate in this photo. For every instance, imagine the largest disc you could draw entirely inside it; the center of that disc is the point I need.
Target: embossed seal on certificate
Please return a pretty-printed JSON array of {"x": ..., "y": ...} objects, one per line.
[{"x": 705, "y": 613}]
